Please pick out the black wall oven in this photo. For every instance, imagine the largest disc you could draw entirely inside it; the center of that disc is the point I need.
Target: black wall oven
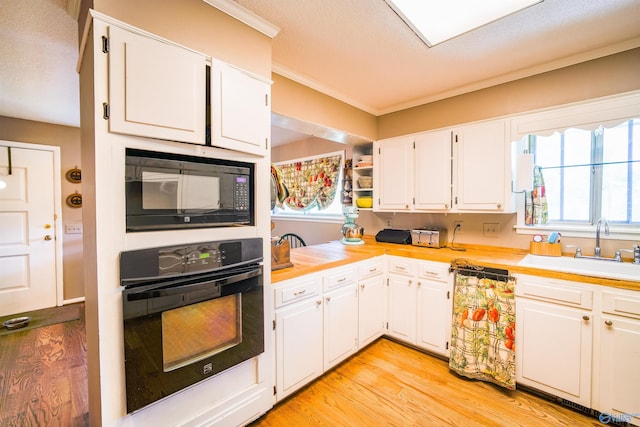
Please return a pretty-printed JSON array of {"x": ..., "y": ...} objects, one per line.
[{"x": 190, "y": 312}]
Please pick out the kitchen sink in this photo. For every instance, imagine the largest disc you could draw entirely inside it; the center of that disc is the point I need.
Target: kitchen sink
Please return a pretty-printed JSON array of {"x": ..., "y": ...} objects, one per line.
[{"x": 589, "y": 267}]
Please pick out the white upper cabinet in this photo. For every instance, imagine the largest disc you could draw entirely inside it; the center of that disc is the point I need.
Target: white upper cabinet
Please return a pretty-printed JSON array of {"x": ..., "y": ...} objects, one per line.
[
  {"x": 433, "y": 170},
  {"x": 393, "y": 174},
  {"x": 465, "y": 169},
  {"x": 481, "y": 181},
  {"x": 240, "y": 109},
  {"x": 156, "y": 89}
]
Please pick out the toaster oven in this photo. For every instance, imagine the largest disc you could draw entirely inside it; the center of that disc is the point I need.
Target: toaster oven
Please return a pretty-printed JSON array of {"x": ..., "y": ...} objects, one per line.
[{"x": 429, "y": 237}]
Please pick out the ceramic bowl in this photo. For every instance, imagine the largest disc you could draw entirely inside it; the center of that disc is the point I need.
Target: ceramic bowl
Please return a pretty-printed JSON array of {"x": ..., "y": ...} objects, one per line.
[
  {"x": 365, "y": 182},
  {"x": 17, "y": 322},
  {"x": 364, "y": 202}
]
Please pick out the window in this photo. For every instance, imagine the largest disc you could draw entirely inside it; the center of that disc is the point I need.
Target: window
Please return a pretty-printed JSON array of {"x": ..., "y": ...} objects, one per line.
[
  {"x": 313, "y": 187},
  {"x": 589, "y": 174}
]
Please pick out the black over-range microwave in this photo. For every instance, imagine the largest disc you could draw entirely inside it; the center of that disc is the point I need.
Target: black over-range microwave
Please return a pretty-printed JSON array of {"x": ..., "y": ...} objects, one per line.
[{"x": 169, "y": 191}]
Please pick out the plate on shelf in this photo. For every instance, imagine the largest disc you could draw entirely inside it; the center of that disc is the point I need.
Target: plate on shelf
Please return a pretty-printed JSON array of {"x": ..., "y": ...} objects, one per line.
[{"x": 364, "y": 164}]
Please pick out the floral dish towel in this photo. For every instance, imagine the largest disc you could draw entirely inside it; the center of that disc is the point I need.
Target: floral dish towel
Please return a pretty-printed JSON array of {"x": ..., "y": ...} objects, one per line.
[{"x": 483, "y": 328}]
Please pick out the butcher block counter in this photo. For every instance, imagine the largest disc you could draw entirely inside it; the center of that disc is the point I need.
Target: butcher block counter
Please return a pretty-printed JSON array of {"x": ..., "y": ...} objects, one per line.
[{"x": 310, "y": 259}]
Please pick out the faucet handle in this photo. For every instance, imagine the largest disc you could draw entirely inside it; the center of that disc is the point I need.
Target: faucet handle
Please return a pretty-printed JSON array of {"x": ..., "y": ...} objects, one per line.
[
  {"x": 635, "y": 251},
  {"x": 578, "y": 250}
]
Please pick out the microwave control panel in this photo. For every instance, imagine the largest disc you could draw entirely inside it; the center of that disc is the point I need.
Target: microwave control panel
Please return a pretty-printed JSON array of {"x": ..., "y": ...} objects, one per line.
[{"x": 241, "y": 193}]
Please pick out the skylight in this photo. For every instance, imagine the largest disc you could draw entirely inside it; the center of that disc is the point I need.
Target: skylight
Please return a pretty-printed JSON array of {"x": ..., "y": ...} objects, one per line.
[{"x": 435, "y": 21}]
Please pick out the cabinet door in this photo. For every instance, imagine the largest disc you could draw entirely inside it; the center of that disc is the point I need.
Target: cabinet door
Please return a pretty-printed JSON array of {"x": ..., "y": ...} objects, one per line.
[
  {"x": 393, "y": 175},
  {"x": 481, "y": 180},
  {"x": 156, "y": 89},
  {"x": 402, "y": 308},
  {"x": 240, "y": 109},
  {"x": 553, "y": 349},
  {"x": 340, "y": 324},
  {"x": 432, "y": 165},
  {"x": 619, "y": 369},
  {"x": 371, "y": 309},
  {"x": 298, "y": 345},
  {"x": 434, "y": 316}
]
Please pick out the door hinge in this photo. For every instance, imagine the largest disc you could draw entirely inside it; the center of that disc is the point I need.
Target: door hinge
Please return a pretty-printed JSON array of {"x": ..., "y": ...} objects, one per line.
[
  {"x": 379, "y": 151},
  {"x": 448, "y": 295},
  {"x": 387, "y": 281},
  {"x": 266, "y": 143},
  {"x": 456, "y": 138},
  {"x": 274, "y": 390},
  {"x": 446, "y": 346},
  {"x": 266, "y": 99},
  {"x": 414, "y": 145},
  {"x": 105, "y": 44},
  {"x": 106, "y": 111},
  {"x": 456, "y": 200},
  {"x": 274, "y": 325},
  {"x": 414, "y": 200},
  {"x": 387, "y": 327}
]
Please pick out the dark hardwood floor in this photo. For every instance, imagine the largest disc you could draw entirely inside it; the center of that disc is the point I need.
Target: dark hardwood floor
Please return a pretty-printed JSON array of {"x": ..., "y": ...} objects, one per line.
[{"x": 43, "y": 376}]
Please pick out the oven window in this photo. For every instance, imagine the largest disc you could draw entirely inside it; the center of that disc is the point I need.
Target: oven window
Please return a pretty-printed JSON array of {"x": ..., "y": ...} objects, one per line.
[{"x": 200, "y": 330}]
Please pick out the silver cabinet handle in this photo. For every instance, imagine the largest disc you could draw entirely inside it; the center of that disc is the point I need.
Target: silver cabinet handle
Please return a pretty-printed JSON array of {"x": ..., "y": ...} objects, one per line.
[
  {"x": 608, "y": 322},
  {"x": 295, "y": 294},
  {"x": 319, "y": 302}
]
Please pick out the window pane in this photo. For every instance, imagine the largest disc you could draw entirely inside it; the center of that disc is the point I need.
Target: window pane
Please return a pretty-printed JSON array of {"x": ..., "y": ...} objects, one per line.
[
  {"x": 615, "y": 177},
  {"x": 577, "y": 180},
  {"x": 635, "y": 172}
]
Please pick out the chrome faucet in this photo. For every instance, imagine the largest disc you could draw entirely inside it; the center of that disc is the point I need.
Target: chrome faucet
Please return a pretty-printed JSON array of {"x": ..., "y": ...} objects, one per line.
[{"x": 601, "y": 221}]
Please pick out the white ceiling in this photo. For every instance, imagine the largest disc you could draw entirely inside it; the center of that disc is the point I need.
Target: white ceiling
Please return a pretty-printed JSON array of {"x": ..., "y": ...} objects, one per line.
[{"x": 358, "y": 51}]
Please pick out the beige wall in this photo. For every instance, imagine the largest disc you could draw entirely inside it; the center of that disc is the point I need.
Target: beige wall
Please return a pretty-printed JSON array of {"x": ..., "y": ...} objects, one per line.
[
  {"x": 292, "y": 99},
  {"x": 592, "y": 79},
  {"x": 68, "y": 139}
]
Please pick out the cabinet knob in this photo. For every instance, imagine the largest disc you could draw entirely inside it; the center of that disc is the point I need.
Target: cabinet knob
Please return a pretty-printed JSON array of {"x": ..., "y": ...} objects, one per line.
[
  {"x": 608, "y": 322},
  {"x": 47, "y": 237},
  {"x": 319, "y": 302},
  {"x": 362, "y": 286},
  {"x": 327, "y": 299},
  {"x": 585, "y": 318}
]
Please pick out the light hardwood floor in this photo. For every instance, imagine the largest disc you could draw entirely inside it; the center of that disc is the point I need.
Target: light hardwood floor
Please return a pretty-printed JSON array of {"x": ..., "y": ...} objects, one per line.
[{"x": 388, "y": 384}]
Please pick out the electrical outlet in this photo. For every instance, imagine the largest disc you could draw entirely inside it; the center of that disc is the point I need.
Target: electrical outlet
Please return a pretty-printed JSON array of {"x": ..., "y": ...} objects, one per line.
[
  {"x": 491, "y": 229},
  {"x": 389, "y": 223},
  {"x": 73, "y": 229},
  {"x": 458, "y": 228}
]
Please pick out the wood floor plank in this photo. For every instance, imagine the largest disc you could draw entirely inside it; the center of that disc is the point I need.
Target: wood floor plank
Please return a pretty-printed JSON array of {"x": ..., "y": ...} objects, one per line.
[
  {"x": 43, "y": 378},
  {"x": 389, "y": 384}
]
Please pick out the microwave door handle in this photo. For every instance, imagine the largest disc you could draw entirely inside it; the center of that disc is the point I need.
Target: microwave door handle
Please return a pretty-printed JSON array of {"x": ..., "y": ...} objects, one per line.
[{"x": 173, "y": 289}]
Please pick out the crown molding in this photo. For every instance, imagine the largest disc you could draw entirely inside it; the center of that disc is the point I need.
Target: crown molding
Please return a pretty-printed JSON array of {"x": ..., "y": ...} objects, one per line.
[{"x": 245, "y": 16}]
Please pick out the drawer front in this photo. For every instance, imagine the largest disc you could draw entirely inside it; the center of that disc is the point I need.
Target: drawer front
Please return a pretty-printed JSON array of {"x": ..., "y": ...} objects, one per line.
[
  {"x": 297, "y": 290},
  {"x": 438, "y": 271},
  {"x": 554, "y": 291},
  {"x": 339, "y": 277},
  {"x": 400, "y": 265},
  {"x": 621, "y": 304},
  {"x": 370, "y": 268}
]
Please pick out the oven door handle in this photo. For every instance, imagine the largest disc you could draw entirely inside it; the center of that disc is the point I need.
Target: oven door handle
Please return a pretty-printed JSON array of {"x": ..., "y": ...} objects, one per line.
[{"x": 162, "y": 291}]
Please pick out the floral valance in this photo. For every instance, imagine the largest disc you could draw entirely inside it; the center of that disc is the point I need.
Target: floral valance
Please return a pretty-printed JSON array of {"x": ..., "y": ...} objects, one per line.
[{"x": 311, "y": 182}]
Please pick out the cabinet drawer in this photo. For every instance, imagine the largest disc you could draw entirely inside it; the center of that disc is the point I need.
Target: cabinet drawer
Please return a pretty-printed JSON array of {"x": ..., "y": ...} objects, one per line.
[
  {"x": 400, "y": 265},
  {"x": 297, "y": 290},
  {"x": 370, "y": 268},
  {"x": 621, "y": 304},
  {"x": 438, "y": 271},
  {"x": 339, "y": 277},
  {"x": 555, "y": 291}
]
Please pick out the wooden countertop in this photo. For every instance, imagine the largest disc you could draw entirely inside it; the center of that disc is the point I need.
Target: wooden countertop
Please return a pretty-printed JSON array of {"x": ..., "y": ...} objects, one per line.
[{"x": 310, "y": 259}]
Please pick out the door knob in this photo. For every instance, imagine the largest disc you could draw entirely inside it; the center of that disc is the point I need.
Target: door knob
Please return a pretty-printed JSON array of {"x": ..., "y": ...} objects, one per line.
[{"x": 47, "y": 237}]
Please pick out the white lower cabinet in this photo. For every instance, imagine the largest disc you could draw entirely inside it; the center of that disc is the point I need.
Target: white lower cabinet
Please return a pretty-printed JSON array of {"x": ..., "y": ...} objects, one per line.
[
  {"x": 554, "y": 337},
  {"x": 435, "y": 288},
  {"x": 619, "y": 354},
  {"x": 419, "y": 303},
  {"x": 340, "y": 324},
  {"x": 299, "y": 337},
  {"x": 372, "y": 312}
]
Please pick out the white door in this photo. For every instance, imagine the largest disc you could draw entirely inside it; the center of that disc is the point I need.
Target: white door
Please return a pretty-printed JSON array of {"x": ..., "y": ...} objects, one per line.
[
  {"x": 28, "y": 277},
  {"x": 393, "y": 183},
  {"x": 340, "y": 324}
]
